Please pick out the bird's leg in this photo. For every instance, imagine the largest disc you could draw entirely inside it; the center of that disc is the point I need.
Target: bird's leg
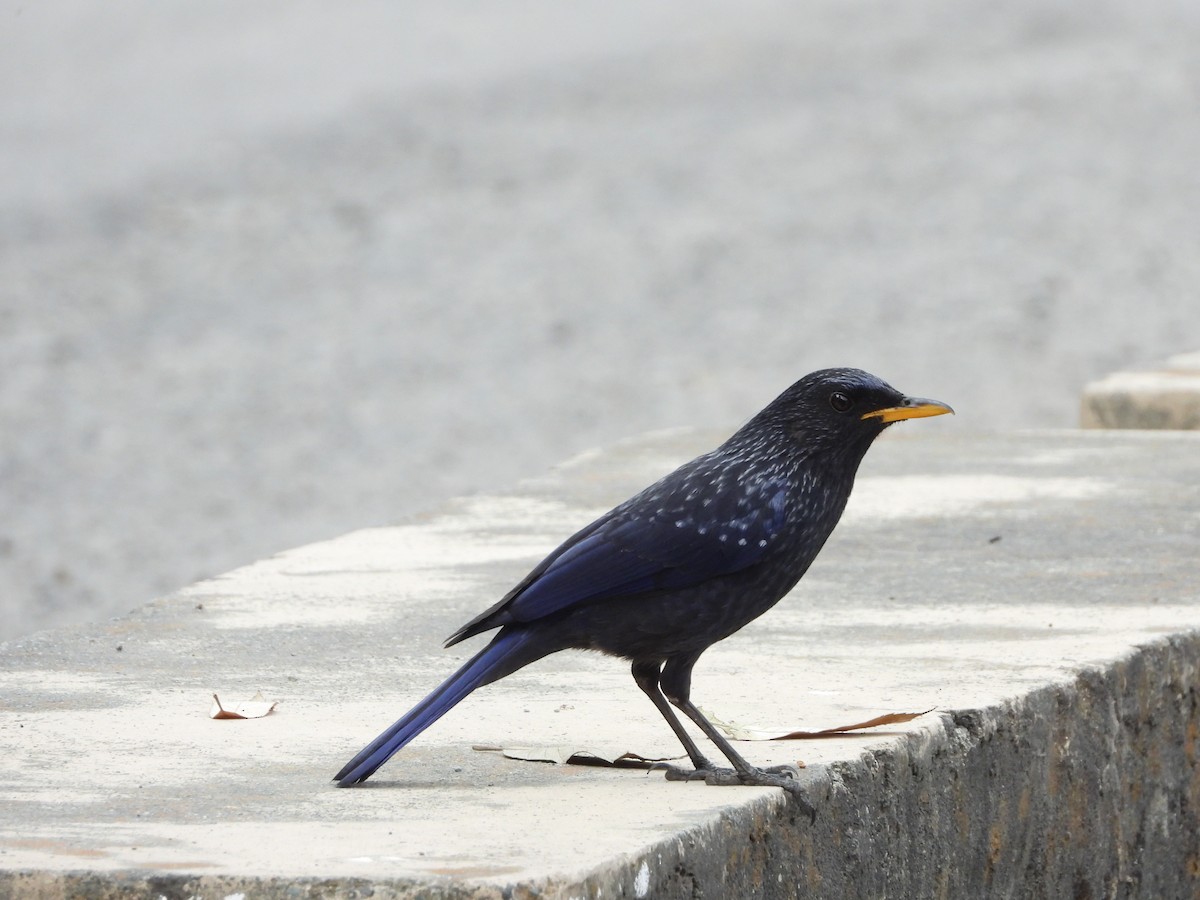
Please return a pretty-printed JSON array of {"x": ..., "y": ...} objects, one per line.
[
  {"x": 747, "y": 773},
  {"x": 675, "y": 682},
  {"x": 646, "y": 674},
  {"x": 671, "y": 684}
]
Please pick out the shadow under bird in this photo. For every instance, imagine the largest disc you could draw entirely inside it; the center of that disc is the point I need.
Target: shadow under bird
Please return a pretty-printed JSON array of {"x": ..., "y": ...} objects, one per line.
[{"x": 684, "y": 564}]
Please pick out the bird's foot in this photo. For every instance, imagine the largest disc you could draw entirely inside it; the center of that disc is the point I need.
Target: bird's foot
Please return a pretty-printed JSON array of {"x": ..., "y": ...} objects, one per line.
[
  {"x": 677, "y": 773},
  {"x": 773, "y": 776},
  {"x": 786, "y": 777}
]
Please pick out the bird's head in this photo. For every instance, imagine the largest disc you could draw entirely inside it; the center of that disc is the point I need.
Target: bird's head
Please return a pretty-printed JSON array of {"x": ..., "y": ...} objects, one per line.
[{"x": 841, "y": 411}]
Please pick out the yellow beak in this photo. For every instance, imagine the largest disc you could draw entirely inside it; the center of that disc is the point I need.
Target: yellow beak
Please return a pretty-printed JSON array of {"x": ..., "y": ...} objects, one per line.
[{"x": 911, "y": 408}]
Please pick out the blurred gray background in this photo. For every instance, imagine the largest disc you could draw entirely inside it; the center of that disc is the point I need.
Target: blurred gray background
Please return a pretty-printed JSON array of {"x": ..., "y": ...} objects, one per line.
[{"x": 271, "y": 272}]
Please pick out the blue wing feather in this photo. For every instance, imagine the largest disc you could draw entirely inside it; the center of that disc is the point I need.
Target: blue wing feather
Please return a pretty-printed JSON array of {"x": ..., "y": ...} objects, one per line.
[
  {"x": 628, "y": 552},
  {"x": 693, "y": 525}
]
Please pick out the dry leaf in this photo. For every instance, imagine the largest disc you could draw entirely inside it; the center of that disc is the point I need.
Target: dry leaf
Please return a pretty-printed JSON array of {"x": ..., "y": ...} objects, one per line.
[
  {"x": 254, "y": 708},
  {"x": 742, "y": 733},
  {"x": 560, "y": 755}
]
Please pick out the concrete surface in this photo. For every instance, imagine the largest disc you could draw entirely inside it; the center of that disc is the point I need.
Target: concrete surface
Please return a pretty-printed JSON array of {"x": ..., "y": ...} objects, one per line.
[
  {"x": 1163, "y": 396},
  {"x": 271, "y": 272},
  {"x": 1039, "y": 590}
]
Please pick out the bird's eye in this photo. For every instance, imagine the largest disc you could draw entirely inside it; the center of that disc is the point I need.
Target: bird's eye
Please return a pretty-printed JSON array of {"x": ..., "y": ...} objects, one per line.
[{"x": 839, "y": 401}]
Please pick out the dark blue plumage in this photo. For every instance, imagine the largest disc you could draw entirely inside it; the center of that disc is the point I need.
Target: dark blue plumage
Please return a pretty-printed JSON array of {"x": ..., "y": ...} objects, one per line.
[
  {"x": 496, "y": 660},
  {"x": 685, "y": 562}
]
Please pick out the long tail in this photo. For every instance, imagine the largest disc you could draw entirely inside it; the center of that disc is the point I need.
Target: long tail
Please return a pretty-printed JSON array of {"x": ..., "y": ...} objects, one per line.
[{"x": 509, "y": 650}]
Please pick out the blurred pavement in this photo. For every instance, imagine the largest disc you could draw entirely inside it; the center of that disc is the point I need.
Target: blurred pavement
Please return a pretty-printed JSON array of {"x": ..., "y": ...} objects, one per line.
[{"x": 271, "y": 273}]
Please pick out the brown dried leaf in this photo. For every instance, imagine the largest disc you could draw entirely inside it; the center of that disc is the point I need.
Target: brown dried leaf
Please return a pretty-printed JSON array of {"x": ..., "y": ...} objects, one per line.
[
  {"x": 254, "y": 708},
  {"x": 560, "y": 755},
  {"x": 742, "y": 733},
  {"x": 897, "y": 718}
]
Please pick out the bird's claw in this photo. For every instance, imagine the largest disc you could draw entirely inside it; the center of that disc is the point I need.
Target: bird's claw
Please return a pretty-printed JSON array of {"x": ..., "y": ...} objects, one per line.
[
  {"x": 785, "y": 770},
  {"x": 675, "y": 773},
  {"x": 786, "y": 777},
  {"x": 775, "y": 776}
]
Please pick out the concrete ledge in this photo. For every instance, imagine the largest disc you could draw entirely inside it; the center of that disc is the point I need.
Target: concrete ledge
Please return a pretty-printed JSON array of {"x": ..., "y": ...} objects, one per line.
[
  {"x": 1040, "y": 590},
  {"x": 1164, "y": 397}
]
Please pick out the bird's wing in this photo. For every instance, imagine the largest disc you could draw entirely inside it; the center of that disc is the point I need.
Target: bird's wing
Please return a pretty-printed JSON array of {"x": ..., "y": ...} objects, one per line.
[{"x": 628, "y": 553}]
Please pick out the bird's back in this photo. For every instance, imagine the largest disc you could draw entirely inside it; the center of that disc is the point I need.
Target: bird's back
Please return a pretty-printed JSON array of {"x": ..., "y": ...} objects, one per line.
[{"x": 689, "y": 560}]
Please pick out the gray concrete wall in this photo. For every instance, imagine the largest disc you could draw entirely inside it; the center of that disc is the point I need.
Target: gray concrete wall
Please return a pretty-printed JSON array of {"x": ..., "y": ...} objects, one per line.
[
  {"x": 1162, "y": 396},
  {"x": 1084, "y": 790},
  {"x": 1039, "y": 591}
]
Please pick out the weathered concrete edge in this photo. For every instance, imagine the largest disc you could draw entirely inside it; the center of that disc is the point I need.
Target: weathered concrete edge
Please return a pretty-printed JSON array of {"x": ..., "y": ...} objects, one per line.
[
  {"x": 1164, "y": 396},
  {"x": 1087, "y": 788}
]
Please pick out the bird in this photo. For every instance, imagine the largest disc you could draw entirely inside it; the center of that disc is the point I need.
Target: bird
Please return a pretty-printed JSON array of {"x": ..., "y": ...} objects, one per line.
[{"x": 684, "y": 564}]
